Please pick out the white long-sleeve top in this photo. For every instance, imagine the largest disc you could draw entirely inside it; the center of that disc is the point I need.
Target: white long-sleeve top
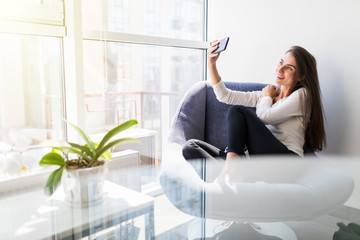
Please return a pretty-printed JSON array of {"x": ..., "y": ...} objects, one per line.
[{"x": 285, "y": 118}]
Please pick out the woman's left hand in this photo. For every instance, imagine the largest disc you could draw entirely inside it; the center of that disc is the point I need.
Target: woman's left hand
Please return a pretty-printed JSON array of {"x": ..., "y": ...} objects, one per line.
[{"x": 270, "y": 91}]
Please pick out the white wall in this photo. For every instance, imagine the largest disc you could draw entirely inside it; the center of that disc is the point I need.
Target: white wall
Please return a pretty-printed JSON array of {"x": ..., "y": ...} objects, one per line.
[{"x": 261, "y": 31}]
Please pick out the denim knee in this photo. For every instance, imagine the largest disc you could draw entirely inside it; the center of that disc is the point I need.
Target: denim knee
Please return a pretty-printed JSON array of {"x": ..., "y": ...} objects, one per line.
[
  {"x": 188, "y": 148},
  {"x": 235, "y": 110}
]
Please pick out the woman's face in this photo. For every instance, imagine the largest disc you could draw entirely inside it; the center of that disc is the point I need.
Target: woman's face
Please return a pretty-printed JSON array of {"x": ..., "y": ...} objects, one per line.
[{"x": 286, "y": 71}]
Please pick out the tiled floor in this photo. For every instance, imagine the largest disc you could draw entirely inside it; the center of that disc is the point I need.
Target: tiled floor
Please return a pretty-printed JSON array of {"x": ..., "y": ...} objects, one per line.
[
  {"x": 318, "y": 229},
  {"x": 172, "y": 224}
]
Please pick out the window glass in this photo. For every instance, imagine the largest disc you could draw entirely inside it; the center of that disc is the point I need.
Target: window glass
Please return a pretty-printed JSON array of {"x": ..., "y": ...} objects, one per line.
[
  {"x": 135, "y": 67},
  {"x": 125, "y": 81},
  {"x": 31, "y": 102},
  {"x": 33, "y": 11},
  {"x": 182, "y": 19}
]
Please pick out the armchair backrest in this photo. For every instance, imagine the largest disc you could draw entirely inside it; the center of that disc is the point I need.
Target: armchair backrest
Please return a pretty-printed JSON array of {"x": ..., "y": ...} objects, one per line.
[
  {"x": 201, "y": 116},
  {"x": 215, "y": 120}
]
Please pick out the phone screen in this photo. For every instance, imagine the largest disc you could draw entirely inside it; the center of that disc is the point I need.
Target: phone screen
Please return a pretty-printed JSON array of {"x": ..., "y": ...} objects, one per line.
[{"x": 222, "y": 45}]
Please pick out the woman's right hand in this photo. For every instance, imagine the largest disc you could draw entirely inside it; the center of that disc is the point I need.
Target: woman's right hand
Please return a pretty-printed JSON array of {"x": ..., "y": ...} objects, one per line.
[
  {"x": 213, "y": 57},
  {"x": 270, "y": 91}
]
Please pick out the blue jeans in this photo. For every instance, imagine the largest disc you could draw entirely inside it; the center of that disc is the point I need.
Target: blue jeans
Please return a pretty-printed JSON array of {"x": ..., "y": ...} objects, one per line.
[{"x": 246, "y": 130}]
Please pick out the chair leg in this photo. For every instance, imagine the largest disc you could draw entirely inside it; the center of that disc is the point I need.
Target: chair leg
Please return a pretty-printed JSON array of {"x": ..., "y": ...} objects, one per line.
[{"x": 210, "y": 229}]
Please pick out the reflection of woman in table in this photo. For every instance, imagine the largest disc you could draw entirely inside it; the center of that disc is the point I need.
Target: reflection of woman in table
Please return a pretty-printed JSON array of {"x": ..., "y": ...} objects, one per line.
[{"x": 287, "y": 117}]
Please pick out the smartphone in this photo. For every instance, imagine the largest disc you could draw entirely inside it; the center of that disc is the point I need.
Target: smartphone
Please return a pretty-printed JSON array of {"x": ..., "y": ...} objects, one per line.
[{"x": 222, "y": 45}]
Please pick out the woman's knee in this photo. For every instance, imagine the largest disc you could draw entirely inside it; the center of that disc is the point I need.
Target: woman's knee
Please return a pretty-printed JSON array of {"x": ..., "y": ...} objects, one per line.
[
  {"x": 189, "y": 147},
  {"x": 235, "y": 111},
  {"x": 239, "y": 110},
  {"x": 191, "y": 143}
]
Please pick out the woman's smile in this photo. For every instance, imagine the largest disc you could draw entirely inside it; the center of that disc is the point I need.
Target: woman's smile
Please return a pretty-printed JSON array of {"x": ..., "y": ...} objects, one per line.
[{"x": 278, "y": 76}]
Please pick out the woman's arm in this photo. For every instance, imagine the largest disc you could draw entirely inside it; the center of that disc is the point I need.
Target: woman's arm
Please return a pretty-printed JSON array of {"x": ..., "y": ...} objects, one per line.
[
  {"x": 293, "y": 105},
  {"x": 233, "y": 97},
  {"x": 222, "y": 93}
]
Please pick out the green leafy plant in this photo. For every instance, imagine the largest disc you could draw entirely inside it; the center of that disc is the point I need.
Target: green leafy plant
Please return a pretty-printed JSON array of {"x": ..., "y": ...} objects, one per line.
[
  {"x": 347, "y": 232},
  {"x": 69, "y": 155}
]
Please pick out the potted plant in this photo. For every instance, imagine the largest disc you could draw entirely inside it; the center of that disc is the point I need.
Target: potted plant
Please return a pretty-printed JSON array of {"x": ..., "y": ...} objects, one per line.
[
  {"x": 84, "y": 165},
  {"x": 347, "y": 232}
]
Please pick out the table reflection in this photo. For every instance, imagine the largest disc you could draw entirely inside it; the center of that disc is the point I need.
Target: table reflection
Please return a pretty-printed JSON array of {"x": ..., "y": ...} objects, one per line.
[{"x": 257, "y": 190}]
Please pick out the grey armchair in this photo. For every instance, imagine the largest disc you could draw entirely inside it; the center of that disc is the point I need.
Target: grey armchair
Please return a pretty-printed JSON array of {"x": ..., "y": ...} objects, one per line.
[
  {"x": 303, "y": 189},
  {"x": 202, "y": 116}
]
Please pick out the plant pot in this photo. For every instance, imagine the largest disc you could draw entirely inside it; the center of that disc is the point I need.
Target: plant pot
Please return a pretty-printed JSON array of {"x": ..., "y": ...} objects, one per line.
[{"x": 85, "y": 186}]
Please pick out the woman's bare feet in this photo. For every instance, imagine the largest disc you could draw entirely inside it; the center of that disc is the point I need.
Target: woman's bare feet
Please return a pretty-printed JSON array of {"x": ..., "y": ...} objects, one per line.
[
  {"x": 232, "y": 156},
  {"x": 230, "y": 171}
]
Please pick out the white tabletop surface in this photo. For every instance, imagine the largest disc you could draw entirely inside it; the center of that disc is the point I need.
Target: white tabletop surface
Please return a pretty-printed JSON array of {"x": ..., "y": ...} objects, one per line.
[{"x": 33, "y": 215}]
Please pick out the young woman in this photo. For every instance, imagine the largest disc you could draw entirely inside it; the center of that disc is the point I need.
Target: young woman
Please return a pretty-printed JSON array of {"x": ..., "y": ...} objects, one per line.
[{"x": 287, "y": 117}]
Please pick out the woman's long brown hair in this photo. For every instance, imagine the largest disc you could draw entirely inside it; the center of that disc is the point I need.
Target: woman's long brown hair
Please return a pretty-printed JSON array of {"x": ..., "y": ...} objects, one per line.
[{"x": 306, "y": 72}]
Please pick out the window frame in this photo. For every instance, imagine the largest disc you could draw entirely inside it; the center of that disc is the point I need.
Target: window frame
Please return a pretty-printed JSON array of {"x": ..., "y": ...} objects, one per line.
[{"x": 110, "y": 36}]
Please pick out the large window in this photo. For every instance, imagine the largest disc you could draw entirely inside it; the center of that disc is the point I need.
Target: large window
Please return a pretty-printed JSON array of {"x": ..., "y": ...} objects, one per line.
[
  {"x": 97, "y": 63},
  {"x": 140, "y": 57},
  {"x": 31, "y": 82}
]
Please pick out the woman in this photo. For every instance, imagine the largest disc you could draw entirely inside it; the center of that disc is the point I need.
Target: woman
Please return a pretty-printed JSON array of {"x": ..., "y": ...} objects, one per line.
[{"x": 287, "y": 117}]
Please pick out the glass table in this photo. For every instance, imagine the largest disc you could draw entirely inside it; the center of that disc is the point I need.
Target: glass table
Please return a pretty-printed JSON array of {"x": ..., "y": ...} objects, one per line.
[
  {"x": 33, "y": 215},
  {"x": 172, "y": 208}
]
